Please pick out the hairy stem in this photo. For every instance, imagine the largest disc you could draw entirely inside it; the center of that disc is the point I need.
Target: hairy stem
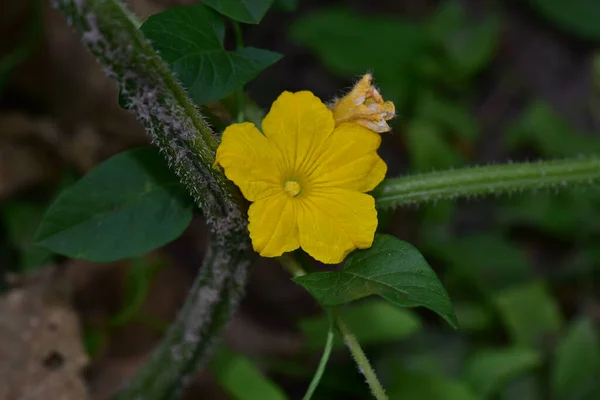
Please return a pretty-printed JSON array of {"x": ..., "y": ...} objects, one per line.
[
  {"x": 192, "y": 338},
  {"x": 360, "y": 358},
  {"x": 487, "y": 180},
  {"x": 175, "y": 125}
]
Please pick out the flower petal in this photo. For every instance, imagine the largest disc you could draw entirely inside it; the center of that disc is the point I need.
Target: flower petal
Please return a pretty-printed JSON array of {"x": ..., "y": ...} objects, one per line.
[
  {"x": 298, "y": 124},
  {"x": 349, "y": 160},
  {"x": 249, "y": 160},
  {"x": 272, "y": 225},
  {"x": 334, "y": 222}
]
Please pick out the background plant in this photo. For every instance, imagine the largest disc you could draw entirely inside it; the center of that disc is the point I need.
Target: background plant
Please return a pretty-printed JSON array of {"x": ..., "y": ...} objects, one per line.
[{"x": 432, "y": 82}]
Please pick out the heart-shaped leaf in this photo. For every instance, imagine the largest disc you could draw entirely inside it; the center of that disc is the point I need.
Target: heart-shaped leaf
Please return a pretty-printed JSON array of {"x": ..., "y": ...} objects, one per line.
[
  {"x": 125, "y": 207},
  {"x": 392, "y": 269},
  {"x": 247, "y": 11},
  {"x": 190, "y": 40}
]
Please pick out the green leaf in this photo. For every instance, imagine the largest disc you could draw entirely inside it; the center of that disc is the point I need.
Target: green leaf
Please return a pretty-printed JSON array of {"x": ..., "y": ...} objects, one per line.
[
  {"x": 468, "y": 257},
  {"x": 596, "y": 70},
  {"x": 444, "y": 20},
  {"x": 125, "y": 207},
  {"x": 579, "y": 17},
  {"x": 570, "y": 214},
  {"x": 247, "y": 11},
  {"x": 489, "y": 370},
  {"x": 190, "y": 40},
  {"x": 392, "y": 269},
  {"x": 432, "y": 351},
  {"x": 473, "y": 317},
  {"x": 530, "y": 314},
  {"x": 241, "y": 379},
  {"x": 469, "y": 46},
  {"x": 526, "y": 387},
  {"x": 94, "y": 341},
  {"x": 542, "y": 128},
  {"x": 452, "y": 116},
  {"x": 351, "y": 44},
  {"x": 372, "y": 322},
  {"x": 427, "y": 147},
  {"x": 286, "y": 5},
  {"x": 422, "y": 386},
  {"x": 141, "y": 274},
  {"x": 21, "y": 220},
  {"x": 576, "y": 365},
  {"x": 23, "y": 46}
]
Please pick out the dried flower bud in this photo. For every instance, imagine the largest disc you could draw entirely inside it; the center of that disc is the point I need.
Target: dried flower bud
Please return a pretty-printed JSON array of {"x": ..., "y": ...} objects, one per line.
[{"x": 364, "y": 106}]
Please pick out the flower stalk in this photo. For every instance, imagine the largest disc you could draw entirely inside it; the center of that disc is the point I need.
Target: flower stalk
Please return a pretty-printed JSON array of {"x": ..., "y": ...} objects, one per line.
[{"x": 360, "y": 358}]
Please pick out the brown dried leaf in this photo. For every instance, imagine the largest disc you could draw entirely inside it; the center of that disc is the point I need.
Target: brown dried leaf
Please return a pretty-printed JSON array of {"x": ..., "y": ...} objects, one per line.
[{"x": 41, "y": 355}]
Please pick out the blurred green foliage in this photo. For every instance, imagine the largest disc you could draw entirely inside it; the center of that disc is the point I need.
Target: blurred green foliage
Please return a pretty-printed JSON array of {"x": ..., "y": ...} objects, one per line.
[
  {"x": 21, "y": 220},
  {"x": 372, "y": 322},
  {"x": 241, "y": 379},
  {"x": 576, "y": 363},
  {"x": 577, "y": 17},
  {"x": 424, "y": 68},
  {"x": 487, "y": 370},
  {"x": 26, "y": 45}
]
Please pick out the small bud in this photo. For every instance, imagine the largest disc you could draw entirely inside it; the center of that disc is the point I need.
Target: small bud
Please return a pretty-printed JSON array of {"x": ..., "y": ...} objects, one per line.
[{"x": 364, "y": 106}]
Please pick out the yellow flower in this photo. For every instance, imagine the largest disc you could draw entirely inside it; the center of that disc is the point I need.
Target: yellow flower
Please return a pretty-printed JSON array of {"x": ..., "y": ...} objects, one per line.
[
  {"x": 365, "y": 106},
  {"x": 305, "y": 178}
]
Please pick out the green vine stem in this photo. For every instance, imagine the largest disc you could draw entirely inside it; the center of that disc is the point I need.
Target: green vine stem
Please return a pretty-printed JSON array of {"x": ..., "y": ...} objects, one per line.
[
  {"x": 293, "y": 266},
  {"x": 193, "y": 337},
  {"x": 360, "y": 358},
  {"x": 314, "y": 383},
  {"x": 487, "y": 180},
  {"x": 175, "y": 125}
]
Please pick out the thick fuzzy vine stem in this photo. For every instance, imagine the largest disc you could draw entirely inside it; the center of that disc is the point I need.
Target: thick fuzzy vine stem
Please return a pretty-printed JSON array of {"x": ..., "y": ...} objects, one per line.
[
  {"x": 150, "y": 91},
  {"x": 209, "y": 306},
  {"x": 487, "y": 180}
]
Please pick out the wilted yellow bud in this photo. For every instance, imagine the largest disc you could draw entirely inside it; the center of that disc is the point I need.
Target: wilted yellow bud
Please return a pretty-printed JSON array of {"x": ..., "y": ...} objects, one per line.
[{"x": 364, "y": 106}]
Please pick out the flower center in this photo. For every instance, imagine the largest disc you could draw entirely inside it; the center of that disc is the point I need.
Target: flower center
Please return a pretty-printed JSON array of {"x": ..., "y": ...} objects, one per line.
[{"x": 292, "y": 188}]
